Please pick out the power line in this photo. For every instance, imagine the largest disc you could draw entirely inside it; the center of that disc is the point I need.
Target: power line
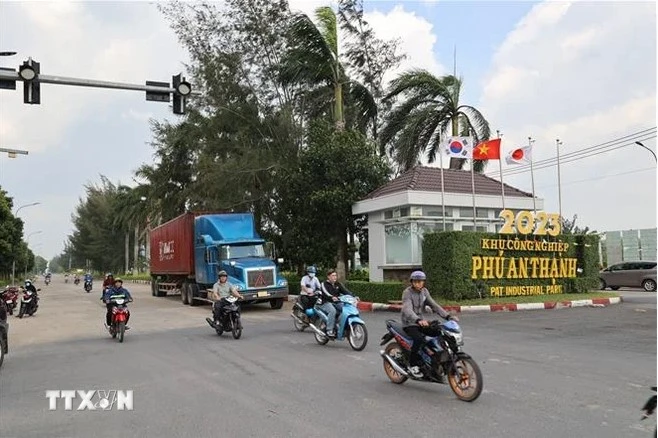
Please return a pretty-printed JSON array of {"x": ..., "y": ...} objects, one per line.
[
  {"x": 601, "y": 177},
  {"x": 607, "y": 146}
]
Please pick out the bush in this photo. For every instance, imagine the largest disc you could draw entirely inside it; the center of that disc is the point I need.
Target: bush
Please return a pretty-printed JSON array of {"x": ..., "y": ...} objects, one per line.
[
  {"x": 447, "y": 260},
  {"x": 360, "y": 275},
  {"x": 376, "y": 292}
]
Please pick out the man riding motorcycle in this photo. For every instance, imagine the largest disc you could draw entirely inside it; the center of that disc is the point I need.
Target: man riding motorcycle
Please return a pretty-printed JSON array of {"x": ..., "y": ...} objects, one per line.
[
  {"x": 220, "y": 290},
  {"x": 109, "y": 281},
  {"x": 29, "y": 286},
  {"x": 116, "y": 289},
  {"x": 331, "y": 290},
  {"x": 309, "y": 285},
  {"x": 414, "y": 300}
]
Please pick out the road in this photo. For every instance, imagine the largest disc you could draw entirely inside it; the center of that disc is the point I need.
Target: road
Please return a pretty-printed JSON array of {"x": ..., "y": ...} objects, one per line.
[{"x": 575, "y": 372}]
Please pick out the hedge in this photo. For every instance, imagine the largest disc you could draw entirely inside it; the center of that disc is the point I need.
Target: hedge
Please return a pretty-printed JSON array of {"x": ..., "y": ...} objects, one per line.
[
  {"x": 365, "y": 290},
  {"x": 447, "y": 261}
]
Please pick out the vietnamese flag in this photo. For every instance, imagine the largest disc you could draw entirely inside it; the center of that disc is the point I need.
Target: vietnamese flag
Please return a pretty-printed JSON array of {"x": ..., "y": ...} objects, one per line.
[{"x": 488, "y": 150}]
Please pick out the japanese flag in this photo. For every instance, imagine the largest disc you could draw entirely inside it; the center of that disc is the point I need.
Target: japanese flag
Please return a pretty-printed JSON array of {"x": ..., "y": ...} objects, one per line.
[{"x": 520, "y": 156}]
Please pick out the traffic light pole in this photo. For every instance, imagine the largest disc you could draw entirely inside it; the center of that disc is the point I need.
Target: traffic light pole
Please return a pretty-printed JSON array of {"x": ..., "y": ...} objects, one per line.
[{"x": 62, "y": 80}]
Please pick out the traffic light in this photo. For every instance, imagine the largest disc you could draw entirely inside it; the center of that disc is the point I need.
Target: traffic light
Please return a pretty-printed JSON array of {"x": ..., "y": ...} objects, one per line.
[
  {"x": 183, "y": 89},
  {"x": 29, "y": 72}
]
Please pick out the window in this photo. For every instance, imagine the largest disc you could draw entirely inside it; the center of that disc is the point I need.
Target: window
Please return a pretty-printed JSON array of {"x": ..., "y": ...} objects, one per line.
[
  {"x": 436, "y": 210},
  {"x": 388, "y": 214},
  {"x": 421, "y": 229},
  {"x": 481, "y": 212},
  {"x": 398, "y": 243},
  {"x": 466, "y": 212},
  {"x": 483, "y": 229}
]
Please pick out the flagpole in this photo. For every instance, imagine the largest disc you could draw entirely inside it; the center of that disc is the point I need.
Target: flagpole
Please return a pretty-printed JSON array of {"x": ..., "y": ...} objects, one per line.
[
  {"x": 473, "y": 187},
  {"x": 532, "y": 175},
  {"x": 443, "y": 202},
  {"x": 500, "y": 167},
  {"x": 558, "y": 143}
]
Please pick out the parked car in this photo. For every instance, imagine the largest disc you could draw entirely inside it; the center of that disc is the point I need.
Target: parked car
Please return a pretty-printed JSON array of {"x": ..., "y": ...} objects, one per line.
[
  {"x": 629, "y": 274},
  {"x": 4, "y": 332}
]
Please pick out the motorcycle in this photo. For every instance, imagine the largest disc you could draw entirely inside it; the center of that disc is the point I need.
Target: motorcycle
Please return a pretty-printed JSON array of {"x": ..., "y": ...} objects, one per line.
[
  {"x": 299, "y": 317},
  {"x": 649, "y": 408},
  {"x": 47, "y": 281},
  {"x": 66, "y": 279},
  {"x": 348, "y": 325},
  {"x": 88, "y": 286},
  {"x": 229, "y": 319},
  {"x": 29, "y": 303},
  {"x": 76, "y": 281},
  {"x": 10, "y": 298},
  {"x": 119, "y": 316},
  {"x": 442, "y": 356}
]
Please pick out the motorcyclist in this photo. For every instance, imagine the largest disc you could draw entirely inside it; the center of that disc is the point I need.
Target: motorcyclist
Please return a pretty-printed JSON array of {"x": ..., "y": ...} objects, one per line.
[
  {"x": 109, "y": 281},
  {"x": 414, "y": 300},
  {"x": 116, "y": 289},
  {"x": 309, "y": 285},
  {"x": 29, "y": 286},
  {"x": 222, "y": 289},
  {"x": 88, "y": 278},
  {"x": 331, "y": 290}
]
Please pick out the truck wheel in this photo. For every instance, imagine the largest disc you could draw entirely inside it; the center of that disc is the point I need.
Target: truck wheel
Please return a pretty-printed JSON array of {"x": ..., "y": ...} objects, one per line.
[
  {"x": 184, "y": 293},
  {"x": 276, "y": 303},
  {"x": 193, "y": 288}
]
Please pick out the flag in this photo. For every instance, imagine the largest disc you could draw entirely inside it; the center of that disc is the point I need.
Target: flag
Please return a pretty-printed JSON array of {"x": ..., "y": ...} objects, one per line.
[
  {"x": 520, "y": 156},
  {"x": 459, "y": 147},
  {"x": 488, "y": 150}
]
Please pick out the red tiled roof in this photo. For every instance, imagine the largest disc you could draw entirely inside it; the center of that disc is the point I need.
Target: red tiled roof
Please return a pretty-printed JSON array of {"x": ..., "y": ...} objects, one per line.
[{"x": 428, "y": 179}]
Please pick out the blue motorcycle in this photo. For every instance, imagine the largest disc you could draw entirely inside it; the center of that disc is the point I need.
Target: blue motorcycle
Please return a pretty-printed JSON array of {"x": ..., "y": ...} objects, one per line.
[{"x": 348, "y": 325}]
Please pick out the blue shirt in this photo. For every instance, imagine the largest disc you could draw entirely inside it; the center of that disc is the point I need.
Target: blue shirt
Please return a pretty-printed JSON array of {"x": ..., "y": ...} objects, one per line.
[
  {"x": 116, "y": 291},
  {"x": 88, "y": 278}
]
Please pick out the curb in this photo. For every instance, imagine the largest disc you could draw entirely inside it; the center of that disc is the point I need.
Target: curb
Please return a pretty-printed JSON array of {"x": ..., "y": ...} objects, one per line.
[{"x": 549, "y": 305}]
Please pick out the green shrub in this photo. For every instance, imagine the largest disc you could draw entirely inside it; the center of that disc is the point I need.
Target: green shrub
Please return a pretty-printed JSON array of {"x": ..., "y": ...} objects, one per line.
[
  {"x": 360, "y": 275},
  {"x": 447, "y": 261},
  {"x": 376, "y": 292}
]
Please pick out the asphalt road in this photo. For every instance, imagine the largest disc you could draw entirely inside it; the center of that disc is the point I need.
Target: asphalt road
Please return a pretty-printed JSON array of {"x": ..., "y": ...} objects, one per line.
[{"x": 574, "y": 372}]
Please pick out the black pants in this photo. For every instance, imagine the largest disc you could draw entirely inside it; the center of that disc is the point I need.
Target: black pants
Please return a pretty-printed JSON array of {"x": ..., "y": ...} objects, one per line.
[
  {"x": 108, "y": 315},
  {"x": 417, "y": 333},
  {"x": 307, "y": 301},
  {"x": 218, "y": 307}
]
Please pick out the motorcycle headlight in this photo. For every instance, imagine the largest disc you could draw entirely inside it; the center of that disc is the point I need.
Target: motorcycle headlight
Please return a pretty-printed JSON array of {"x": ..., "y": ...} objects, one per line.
[{"x": 458, "y": 338}]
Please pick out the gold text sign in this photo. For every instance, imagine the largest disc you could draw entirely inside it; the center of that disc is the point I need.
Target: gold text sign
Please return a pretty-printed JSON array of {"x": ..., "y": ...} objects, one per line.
[{"x": 526, "y": 222}]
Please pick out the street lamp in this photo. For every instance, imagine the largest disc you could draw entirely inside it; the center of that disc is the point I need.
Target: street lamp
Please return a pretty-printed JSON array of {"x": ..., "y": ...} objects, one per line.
[
  {"x": 13, "y": 267},
  {"x": 26, "y": 205},
  {"x": 27, "y": 241},
  {"x": 652, "y": 152}
]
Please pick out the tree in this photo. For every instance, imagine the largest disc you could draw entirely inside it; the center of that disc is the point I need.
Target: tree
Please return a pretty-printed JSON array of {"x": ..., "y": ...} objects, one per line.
[
  {"x": 570, "y": 227},
  {"x": 314, "y": 205},
  {"x": 13, "y": 251},
  {"x": 429, "y": 111}
]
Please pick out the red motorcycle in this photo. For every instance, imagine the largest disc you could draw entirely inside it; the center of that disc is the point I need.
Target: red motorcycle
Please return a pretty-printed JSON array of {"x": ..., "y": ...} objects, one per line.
[
  {"x": 10, "y": 297},
  {"x": 120, "y": 315}
]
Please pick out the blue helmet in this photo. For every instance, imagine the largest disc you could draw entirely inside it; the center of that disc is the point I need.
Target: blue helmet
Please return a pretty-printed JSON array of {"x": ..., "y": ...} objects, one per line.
[
  {"x": 418, "y": 275},
  {"x": 311, "y": 270}
]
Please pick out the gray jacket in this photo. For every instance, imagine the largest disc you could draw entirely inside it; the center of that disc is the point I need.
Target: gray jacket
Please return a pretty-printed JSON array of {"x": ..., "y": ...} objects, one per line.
[{"x": 413, "y": 305}]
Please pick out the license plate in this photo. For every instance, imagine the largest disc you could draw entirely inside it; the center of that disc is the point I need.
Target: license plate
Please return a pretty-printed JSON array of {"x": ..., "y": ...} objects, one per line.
[{"x": 262, "y": 294}]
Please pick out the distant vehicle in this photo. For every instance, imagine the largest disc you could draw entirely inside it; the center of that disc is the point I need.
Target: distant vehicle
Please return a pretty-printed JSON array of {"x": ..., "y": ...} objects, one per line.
[
  {"x": 629, "y": 274},
  {"x": 187, "y": 253}
]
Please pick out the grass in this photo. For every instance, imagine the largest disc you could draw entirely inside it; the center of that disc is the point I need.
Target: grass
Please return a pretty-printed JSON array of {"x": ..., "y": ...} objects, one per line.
[{"x": 528, "y": 299}]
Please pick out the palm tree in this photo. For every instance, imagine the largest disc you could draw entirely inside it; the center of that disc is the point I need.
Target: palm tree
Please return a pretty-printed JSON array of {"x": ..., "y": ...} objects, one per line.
[
  {"x": 431, "y": 110},
  {"x": 313, "y": 63}
]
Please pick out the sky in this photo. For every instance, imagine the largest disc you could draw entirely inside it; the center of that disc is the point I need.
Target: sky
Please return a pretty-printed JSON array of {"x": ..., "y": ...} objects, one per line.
[{"x": 583, "y": 72}]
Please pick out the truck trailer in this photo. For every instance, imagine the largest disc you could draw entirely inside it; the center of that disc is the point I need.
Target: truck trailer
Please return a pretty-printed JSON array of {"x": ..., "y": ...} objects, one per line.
[{"x": 188, "y": 251}]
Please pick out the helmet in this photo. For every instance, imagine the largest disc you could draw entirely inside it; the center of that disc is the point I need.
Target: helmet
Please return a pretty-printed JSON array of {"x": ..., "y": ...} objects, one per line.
[
  {"x": 222, "y": 274},
  {"x": 117, "y": 280},
  {"x": 109, "y": 274},
  {"x": 311, "y": 270},
  {"x": 418, "y": 275},
  {"x": 27, "y": 282}
]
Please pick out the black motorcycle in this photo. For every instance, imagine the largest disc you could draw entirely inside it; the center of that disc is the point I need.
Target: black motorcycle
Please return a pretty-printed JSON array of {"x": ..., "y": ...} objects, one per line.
[
  {"x": 88, "y": 286},
  {"x": 29, "y": 303},
  {"x": 442, "y": 358},
  {"x": 649, "y": 408},
  {"x": 76, "y": 281},
  {"x": 229, "y": 319}
]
